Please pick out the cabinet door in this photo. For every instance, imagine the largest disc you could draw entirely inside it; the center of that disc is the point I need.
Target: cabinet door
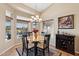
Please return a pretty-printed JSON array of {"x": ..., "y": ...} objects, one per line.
[
  {"x": 58, "y": 41},
  {"x": 70, "y": 45},
  {"x": 65, "y": 43}
]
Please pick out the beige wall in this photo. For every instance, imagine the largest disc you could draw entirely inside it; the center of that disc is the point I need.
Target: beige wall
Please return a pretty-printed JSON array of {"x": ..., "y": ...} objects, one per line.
[
  {"x": 6, "y": 44},
  {"x": 58, "y": 10},
  {"x": 3, "y": 43}
]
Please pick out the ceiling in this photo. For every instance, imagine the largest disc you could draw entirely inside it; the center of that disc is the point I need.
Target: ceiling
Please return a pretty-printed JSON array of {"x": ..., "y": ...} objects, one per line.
[
  {"x": 31, "y": 8},
  {"x": 38, "y": 6}
]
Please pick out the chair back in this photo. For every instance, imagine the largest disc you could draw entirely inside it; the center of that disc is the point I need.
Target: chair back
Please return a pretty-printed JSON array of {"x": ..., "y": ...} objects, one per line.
[
  {"x": 46, "y": 41},
  {"x": 29, "y": 33},
  {"x": 25, "y": 41}
]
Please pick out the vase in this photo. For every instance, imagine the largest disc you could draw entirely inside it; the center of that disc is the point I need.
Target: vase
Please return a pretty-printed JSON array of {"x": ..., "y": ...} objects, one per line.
[{"x": 35, "y": 34}]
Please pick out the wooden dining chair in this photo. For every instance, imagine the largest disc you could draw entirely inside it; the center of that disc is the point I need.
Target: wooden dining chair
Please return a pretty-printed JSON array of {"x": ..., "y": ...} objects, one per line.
[
  {"x": 45, "y": 46},
  {"x": 26, "y": 46}
]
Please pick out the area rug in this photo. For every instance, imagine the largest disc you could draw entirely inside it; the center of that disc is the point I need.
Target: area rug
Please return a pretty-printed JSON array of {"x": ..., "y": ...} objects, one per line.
[{"x": 51, "y": 53}]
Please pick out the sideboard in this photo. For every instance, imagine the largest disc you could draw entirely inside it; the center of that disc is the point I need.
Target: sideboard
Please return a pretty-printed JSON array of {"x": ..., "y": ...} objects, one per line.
[{"x": 65, "y": 43}]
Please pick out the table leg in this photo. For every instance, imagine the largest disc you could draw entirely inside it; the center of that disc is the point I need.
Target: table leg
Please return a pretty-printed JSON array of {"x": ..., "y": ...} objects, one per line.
[{"x": 35, "y": 48}]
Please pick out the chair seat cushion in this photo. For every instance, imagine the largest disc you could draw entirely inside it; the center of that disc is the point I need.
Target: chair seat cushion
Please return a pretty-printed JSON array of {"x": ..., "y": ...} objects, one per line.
[
  {"x": 41, "y": 45},
  {"x": 30, "y": 45}
]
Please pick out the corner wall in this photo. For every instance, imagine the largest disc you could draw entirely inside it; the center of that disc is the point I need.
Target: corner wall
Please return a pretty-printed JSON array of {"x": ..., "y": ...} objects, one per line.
[{"x": 63, "y": 9}]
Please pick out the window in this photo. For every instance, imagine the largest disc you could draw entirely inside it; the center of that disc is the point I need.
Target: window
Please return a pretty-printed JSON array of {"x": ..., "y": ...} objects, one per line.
[
  {"x": 35, "y": 25},
  {"x": 8, "y": 21},
  {"x": 22, "y": 27},
  {"x": 8, "y": 29},
  {"x": 47, "y": 26}
]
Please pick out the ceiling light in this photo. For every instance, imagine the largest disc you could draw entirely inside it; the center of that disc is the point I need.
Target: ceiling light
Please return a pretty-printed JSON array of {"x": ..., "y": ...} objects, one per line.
[{"x": 36, "y": 18}]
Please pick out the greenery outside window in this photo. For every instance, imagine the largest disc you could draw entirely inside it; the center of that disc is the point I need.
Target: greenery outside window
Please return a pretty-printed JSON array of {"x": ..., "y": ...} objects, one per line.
[{"x": 22, "y": 27}]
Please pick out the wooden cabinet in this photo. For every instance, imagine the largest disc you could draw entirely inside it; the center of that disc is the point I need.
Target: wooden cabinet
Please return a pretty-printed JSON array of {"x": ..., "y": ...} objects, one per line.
[{"x": 65, "y": 43}]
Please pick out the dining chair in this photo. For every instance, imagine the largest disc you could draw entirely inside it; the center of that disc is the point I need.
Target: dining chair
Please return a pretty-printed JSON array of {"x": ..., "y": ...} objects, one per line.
[
  {"x": 45, "y": 45},
  {"x": 26, "y": 46}
]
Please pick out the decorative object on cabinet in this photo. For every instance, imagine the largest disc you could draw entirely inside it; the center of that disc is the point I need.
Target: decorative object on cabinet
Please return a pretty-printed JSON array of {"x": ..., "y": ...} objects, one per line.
[
  {"x": 65, "y": 43},
  {"x": 66, "y": 22}
]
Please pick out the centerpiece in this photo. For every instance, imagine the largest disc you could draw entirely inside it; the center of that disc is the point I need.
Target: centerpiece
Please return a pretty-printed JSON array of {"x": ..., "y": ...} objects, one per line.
[{"x": 35, "y": 32}]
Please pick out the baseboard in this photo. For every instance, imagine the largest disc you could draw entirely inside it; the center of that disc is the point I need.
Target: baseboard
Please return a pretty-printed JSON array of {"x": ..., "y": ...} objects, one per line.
[
  {"x": 9, "y": 48},
  {"x": 52, "y": 47},
  {"x": 77, "y": 52}
]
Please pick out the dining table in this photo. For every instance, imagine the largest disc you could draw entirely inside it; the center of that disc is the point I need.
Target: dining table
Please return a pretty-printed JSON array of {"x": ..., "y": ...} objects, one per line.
[{"x": 36, "y": 41}]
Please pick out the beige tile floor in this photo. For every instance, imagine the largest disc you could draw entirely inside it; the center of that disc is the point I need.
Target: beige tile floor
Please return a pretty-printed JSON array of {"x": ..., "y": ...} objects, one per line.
[{"x": 12, "y": 52}]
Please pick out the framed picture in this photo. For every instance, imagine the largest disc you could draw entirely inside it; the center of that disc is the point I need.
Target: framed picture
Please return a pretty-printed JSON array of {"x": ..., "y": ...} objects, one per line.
[{"x": 66, "y": 22}]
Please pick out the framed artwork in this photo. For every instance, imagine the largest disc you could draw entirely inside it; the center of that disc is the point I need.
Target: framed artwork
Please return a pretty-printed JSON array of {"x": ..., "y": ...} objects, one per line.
[{"x": 66, "y": 22}]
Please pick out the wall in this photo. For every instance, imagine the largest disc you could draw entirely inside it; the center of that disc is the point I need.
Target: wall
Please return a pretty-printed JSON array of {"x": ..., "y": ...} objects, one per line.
[
  {"x": 2, "y": 30},
  {"x": 6, "y": 44},
  {"x": 63, "y": 9}
]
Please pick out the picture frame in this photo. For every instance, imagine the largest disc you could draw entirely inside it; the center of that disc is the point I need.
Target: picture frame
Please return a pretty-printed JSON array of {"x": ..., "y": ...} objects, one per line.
[{"x": 66, "y": 22}]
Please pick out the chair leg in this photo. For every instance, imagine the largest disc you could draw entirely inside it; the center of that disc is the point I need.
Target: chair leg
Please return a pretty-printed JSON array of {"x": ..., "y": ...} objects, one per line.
[
  {"x": 48, "y": 50},
  {"x": 22, "y": 50},
  {"x": 27, "y": 52},
  {"x": 43, "y": 53},
  {"x": 18, "y": 52}
]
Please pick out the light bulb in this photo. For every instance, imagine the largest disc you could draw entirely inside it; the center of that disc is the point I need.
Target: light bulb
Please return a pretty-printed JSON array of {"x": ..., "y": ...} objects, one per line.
[
  {"x": 40, "y": 19},
  {"x": 37, "y": 16},
  {"x": 32, "y": 16}
]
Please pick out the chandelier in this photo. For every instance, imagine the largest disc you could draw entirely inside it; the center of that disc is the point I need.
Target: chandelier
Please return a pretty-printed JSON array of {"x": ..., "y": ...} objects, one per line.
[{"x": 36, "y": 18}]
